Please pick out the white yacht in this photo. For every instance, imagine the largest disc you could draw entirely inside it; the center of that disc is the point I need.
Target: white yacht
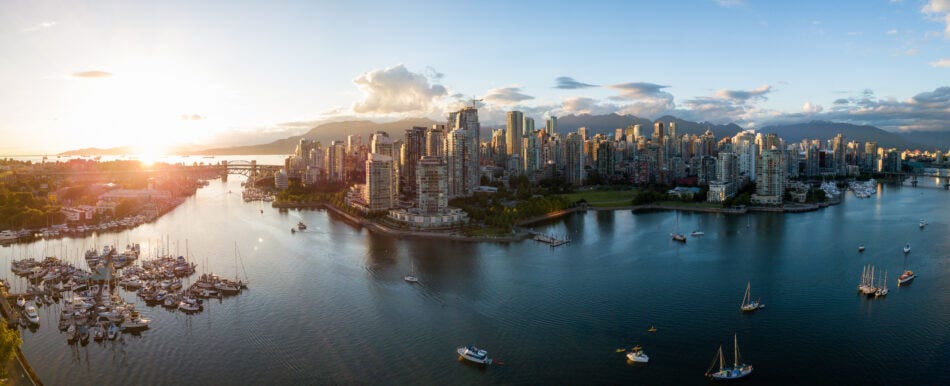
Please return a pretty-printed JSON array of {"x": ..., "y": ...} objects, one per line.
[
  {"x": 907, "y": 248},
  {"x": 134, "y": 323},
  {"x": 474, "y": 354},
  {"x": 636, "y": 355},
  {"x": 31, "y": 315}
]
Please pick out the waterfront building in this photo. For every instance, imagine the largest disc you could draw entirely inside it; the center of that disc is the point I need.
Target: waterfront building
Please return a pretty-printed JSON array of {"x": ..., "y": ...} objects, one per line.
[
  {"x": 574, "y": 159},
  {"x": 605, "y": 159},
  {"x": 333, "y": 160},
  {"x": 432, "y": 185},
  {"x": 514, "y": 132},
  {"x": 870, "y": 156},
  {"x": 770, "y": 185},
  {"x": 838, "y": 148},
  {"x": 727, "y": 178},
  {"x": 414, "y": 149},
  {"x": 280, "y": 180},
  {"x": 379, "y": 194},
  {"x": 531, "y": 155}
]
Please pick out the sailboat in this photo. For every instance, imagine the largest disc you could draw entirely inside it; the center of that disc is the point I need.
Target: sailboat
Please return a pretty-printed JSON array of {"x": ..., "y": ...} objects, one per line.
[
  {"x": 411, "y": 277},
  {"x": 749, "y": 305},
  {"x": 675, "y": 235},
  {"x": 882, "y": 290},
  {"x": 907, "y": 248},
  {"x": 737, "y": 370}
]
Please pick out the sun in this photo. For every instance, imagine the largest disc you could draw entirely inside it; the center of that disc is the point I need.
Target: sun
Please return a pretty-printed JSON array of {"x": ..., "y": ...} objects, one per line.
[{"x": 149, "y": 155}]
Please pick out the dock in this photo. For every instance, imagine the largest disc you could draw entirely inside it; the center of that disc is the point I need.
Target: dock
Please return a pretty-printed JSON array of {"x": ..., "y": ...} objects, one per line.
[{"x": 550, "y": 240}]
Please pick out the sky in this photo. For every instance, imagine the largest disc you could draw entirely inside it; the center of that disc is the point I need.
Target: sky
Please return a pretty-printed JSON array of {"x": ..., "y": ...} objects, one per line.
[{"x": 150, "y": 74}]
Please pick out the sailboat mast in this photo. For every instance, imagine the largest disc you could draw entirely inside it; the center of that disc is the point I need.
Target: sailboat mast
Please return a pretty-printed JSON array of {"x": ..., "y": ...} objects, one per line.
[
  {"x": 720, "y": 357},
  {"x": 735, "y": 345}
]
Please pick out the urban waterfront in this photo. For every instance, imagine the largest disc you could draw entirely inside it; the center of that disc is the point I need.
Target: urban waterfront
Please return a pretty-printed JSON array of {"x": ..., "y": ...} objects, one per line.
[{"x": 329, "y": 305}]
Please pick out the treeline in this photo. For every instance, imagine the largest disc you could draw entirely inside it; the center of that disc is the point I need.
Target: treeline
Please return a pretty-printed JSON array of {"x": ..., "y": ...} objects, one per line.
[
  {"x": 23, "y": 210},
  {"x": 502, "y": 212}
]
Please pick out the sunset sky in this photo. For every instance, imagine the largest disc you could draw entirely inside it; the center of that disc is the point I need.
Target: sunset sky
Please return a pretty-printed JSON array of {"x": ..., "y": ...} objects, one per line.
[{"x": 152, "y": 74}]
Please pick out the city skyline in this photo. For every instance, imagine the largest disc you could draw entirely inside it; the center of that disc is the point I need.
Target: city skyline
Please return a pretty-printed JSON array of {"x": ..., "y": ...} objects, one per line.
[{"x": 151, "y": 76}]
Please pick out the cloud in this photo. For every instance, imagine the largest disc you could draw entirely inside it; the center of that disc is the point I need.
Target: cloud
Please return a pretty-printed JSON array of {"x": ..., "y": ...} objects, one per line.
[
  {"x": 92, "y": 74},
  {"x": 582, "y": 105},
  {"x": 910, "y": 52},
  {"x": 928, "y": 111},
  {"x": 891, "y": 32},
  {"x": 506, "y": 95},
  {"x": 841, "y": 101},
  {"x": 744, "y": 95},
  {"x": 730, "y": 3},
  {"x": 640, "y": 90},
  {"x": 568, "y": 83},
  {"x": 396, "y": 90},
  {"x": 191, "y": 117},
  {"x": 40, "y": 26},
  {"x": 939, "y": 10},
  {"x": 812, "y": 108},
  {"x": 431, "y": 73},
  {"x": 944, "y": 63}
]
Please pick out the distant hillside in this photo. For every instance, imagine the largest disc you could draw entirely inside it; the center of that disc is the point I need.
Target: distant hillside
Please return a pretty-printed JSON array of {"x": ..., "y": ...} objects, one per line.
[
  {"x": 826, "y": 130},
  {"x": 608, "y": 122},
  {"x": 929, "y": 140},
  {"x": 91, "y": 151},
  {"x": 324, "y": 133}
]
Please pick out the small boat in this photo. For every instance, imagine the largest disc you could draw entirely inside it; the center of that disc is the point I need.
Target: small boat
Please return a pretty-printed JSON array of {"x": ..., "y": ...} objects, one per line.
[
  {"x": 411, "y": 277},
  {"x": 651, "y": 329},
  {"x": 71, "y": 333},
  {"x": 31, "y": 315},
  {"x": 636, "y": 355},
  {"x": 678, "y": 237},
  {"x": 113, "y": 331},
  {"x": 227, "y": 288},
  {"x": 293, "y": 230},
  {"x": 697, "y": 233},
  {"x": 907, "y": 248},
  {"x": 860, "y": 248},
  {"x": 737, "y": 370},
  {"x": 474, "y": 354},
  {"x": 922, "y": 224},
  {"x": 83, "y": 332},
  {"x": 189, "y": 307},
  {"x": 906, "y": 278},
  {"x": 301, "y": 226},
  {"x": 134, "y": 323},
  {"x": 749, "y": 305},
  {"x": 98, "y": 333},
  {"x": 882, "y": 290},
  {"x": 20, "y": 302}
]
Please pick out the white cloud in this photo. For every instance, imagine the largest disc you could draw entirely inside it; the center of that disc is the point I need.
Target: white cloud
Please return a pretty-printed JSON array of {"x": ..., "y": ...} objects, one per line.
[
  {"x": 730, "y": 3},
  {"x": 940, "y": 11},
  {"x": 396, "y": 90},
  {"x": 891, "y": 32},
  {"x": 744, "y": 95},
  {"x": 506, "y": 95},
  {"x": 40, "y": 26},
  {"x": 812, "y": 108},
  {"x": 941, "y": 63}
]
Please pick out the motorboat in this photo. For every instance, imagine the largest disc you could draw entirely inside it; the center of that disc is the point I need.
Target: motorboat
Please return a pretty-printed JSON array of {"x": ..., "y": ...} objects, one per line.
[
  {"x": 83, "y": 333},
  {"x": 31, "y": 315},
  {"x": 227, "y": 288},
  {"x": 134, "y": 323},
  {"x": 736, "y": 371},
  {"x": 474, "y": 354},
  {"x": 922, "y": 224},
  {"x": 301, "y": 226},
  {"x": 98, "y": 333},
  {"x": 411, "y": 277},
  {"x": 636, "y": 355},
  {"x": 860, "y": 248},
  {"x": 697, "y": 233},
  {"x": 906, "y": 278},
  {"x": 907, "y": 248},
  {"x": 113, "y": 331},
  {"x": 71, "y": 333},
  {"x": 678, "y": 237},
  {"x": 186, "y": 306}
]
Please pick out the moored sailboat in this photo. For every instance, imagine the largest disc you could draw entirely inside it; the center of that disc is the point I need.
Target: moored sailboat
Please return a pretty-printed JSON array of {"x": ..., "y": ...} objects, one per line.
[
  {"x": 737, "y": 370},
  {"x": 749, "y": 305}
]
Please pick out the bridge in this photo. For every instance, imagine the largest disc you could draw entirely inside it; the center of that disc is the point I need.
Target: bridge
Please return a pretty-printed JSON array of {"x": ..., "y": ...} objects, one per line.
[
  {"x": 941, "y": 175},
  {"x": 248, "y": 169}
]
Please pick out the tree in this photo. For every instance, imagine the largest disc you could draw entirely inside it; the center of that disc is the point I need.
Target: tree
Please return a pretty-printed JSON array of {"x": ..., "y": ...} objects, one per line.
[{"x": 10, "y": 340}]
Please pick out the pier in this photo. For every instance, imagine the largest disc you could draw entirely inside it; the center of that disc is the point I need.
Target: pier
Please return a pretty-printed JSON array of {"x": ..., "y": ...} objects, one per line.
[{"x": 547, "y": 239}]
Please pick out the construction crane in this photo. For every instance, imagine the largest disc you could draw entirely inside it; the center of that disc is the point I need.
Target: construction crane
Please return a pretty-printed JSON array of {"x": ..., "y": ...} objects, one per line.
[{"x": 474, "y": 101}]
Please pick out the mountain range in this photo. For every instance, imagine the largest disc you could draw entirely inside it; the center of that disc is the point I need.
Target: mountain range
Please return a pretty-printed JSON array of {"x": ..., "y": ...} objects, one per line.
[{"x": 604, "y": 124}]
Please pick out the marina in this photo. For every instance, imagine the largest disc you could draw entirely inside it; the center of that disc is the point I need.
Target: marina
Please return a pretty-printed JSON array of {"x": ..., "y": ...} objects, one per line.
[{"x": 334, "y": 296}]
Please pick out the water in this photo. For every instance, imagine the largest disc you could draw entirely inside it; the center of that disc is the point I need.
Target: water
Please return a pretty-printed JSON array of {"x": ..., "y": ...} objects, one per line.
[{"x": 329, "y": 305}]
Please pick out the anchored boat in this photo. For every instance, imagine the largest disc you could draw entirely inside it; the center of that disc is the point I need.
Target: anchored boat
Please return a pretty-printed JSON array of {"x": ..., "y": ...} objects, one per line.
[
  {"x": 749, "y": 305},
  {"x": 737, "y": 370},
  {"x": 636, "y": 355},
  {"x": 474, "y": 354}
]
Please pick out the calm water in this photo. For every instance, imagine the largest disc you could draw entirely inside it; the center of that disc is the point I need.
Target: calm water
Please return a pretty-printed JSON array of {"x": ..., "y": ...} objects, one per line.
[{"x": 329, "y": 305}]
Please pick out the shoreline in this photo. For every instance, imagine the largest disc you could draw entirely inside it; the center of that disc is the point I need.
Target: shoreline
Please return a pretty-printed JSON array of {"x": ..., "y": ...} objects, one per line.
[
  {"x": 19, "y": 357},
  {"x": 375, "y": 226}
]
